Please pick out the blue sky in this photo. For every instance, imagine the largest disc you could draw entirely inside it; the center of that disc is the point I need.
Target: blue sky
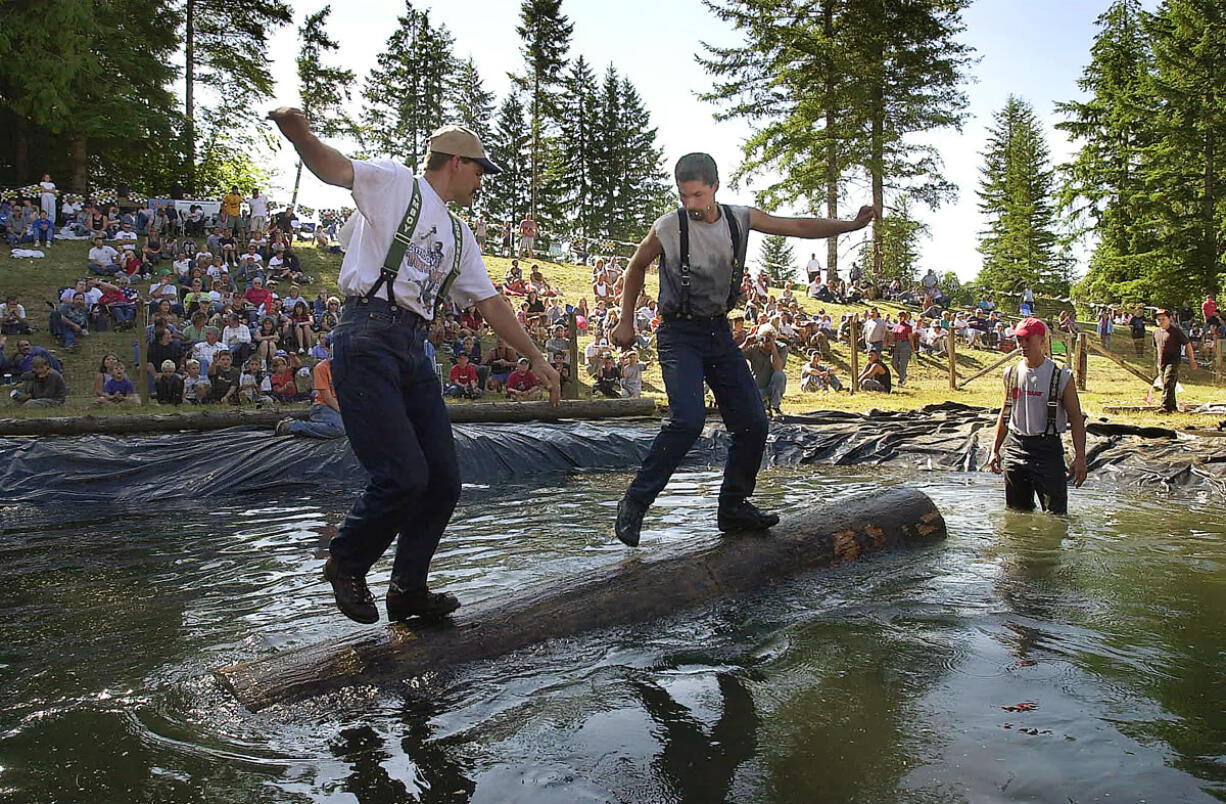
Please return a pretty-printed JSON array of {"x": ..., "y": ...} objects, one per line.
[{"x": 1032, "y": 48}]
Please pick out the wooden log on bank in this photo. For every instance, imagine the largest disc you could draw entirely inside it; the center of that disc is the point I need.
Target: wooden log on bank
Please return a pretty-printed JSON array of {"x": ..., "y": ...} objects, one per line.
[
  {"x": 646, "y": 586},
  {"x": 219, "y": 419}
]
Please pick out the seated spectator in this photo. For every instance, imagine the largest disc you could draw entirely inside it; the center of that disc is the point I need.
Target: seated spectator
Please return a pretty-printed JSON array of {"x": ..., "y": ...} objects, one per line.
[
  {"x": 267, "y": 339},
  {"x": 43, "y": 230},
  {"x": 300, "y": 321},
  {"x": 13, "y": 318},
  {"x": 609, "y": 377},
  {"x": 558, "y": 345},
  {"x": 463, "y": 378},
  {"x": 102, "y": 259},
  {"x": 522, "y": 385},
  {"x": 282, "y": 386},
  {"x": 632, "y": 374},
  {"x": 104, "y": 373},
  {"x": 125, "y": 234},
  {"x": 324, "y": 419},
  {"x": 501, "y": 361},
  {"x": 816, "y": 376},
  {"x": 70, "y": 321},
  {"x": 151, "y": 254},
  {"x": 41, "y": 386},
  {"x": 118, "y": 390},
  {"x": 224, "y": 377},
  {"x": 196, "y": 388},
  {"x": 168, "y": 388},
  {"x": 876, "y": 375},
  {"x": 766, "y": 365},
  {"x": 237, "y": 338},
  {"x": 206, "y": 351}
]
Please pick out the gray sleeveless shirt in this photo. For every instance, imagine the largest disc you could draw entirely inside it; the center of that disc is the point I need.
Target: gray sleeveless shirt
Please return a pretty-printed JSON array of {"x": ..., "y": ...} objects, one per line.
[{"x": 710, "y": 262}]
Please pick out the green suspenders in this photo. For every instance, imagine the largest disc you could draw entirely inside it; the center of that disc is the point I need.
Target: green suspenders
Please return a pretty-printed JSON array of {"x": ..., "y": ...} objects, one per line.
[{"x": 400, "y": 243}]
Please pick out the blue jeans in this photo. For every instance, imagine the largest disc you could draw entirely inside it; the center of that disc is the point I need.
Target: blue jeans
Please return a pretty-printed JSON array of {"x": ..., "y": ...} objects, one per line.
[
  {"x": 324, "y": 422},
  {"x": 397, "y": 424},
  {"x": 59, "y": 329},
  {"x": 691, "y": 352},
  {"x": 772, "y": 394}
]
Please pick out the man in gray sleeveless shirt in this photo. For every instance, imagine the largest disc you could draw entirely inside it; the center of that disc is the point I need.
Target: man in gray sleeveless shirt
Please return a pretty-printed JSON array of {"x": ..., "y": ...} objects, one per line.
[
  {"x": 1040, "y": 403},
  {"x": 701, "y": 248}
]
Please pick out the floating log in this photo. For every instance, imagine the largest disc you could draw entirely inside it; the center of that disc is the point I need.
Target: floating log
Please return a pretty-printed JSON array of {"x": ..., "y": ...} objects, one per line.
[
  {"x": 639, "y": 589},
  {"x": 267, "y": 417}
]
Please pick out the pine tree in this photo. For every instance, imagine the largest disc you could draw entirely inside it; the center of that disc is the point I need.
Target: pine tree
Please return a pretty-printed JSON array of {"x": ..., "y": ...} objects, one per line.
[
  {"x": 1185, "y": 173},
  {"x": 324, "y": 90},
  {"x": 577, "y": 148},
  {"x": 473, "y": 104},
  {"x": 545, "y": 32},
  {"x": 404, "y": 95},
  {"x": 852, "y": 80},
  {"x": 777, "y": 259},
  {"x": 508, "y": 195},
  {"x": 1104, "y": 184},
  {"x": 225, "y": 51},
  {"x": 1016, "y": 187},
  {"x": 901, "y": 234}
]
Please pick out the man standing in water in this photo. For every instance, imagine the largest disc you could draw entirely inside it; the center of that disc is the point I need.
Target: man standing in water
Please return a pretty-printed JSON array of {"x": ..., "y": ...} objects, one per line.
[
  {"x": 1040, "y": 403},
  {"x": 701, "y": 248},
  {"x": 406, "y": 253}
]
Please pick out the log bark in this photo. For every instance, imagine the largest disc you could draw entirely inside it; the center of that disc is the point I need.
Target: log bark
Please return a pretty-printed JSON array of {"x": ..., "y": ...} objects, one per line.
[
  {"x": 636, "y": 590},
  {"x": 219, "y": 419}
]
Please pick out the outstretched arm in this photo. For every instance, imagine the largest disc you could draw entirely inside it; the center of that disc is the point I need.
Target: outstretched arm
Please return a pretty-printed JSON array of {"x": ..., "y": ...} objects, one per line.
[
  {"x": 329, "y": 164},
  {"x": 808, "y": 227}
]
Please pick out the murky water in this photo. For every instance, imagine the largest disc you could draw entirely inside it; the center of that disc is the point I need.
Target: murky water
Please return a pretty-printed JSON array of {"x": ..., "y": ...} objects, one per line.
[{"x": 897, "y": 679}]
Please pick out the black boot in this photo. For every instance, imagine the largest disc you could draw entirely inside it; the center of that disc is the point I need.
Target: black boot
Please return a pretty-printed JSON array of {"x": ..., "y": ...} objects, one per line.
[
  {"x": 403, "y": 604},
  {"x": 629, "y": 521},
  {"x": 744, "y": 515},
  {"x": 353, "y": 596}
]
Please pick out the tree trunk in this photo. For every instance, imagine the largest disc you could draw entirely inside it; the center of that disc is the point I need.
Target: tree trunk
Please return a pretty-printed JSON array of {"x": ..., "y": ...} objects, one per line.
[
  {"x": 293, "y": 202},
  {"x": 632, "y": 591},
  {"x": 1210, "y": 253},
  {"x": 877, "y": 166},
  {"x": 21, "y": 149},
  {"x": 80, "y": 164},
  {"x": 189, "y": 148},
  {"x": 832, "y": 151}
]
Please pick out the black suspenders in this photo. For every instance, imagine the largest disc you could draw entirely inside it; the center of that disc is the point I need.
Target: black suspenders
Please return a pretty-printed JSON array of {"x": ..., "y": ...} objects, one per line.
[
  {"x": 738, "y": 270},
  {"x": 1053, "y": 400}
]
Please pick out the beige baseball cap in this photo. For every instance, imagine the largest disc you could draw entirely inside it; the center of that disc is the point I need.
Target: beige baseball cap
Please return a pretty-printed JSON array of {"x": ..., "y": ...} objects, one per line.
[{"x": 460, "y": 141}]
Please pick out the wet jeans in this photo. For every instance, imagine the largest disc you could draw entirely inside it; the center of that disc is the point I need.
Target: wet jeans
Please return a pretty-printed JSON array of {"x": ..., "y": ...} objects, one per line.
[
  {"x": 691, "y": 352},
  {"x": 397, "y": 424},
  {"x": 1034, "y": 466}
]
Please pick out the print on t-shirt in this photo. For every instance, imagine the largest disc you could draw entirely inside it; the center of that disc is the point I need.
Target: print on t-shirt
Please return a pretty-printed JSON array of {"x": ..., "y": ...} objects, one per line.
[{"x": 424, "y": 261}]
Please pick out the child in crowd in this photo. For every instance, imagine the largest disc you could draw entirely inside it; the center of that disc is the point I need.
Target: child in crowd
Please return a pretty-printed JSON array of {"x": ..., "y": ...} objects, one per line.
[
  {"x": 168, "y": 388},
  {"x": 118, "y": 390}
]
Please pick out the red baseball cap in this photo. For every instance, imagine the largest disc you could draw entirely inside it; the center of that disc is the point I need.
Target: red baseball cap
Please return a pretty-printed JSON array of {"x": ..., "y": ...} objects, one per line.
[{"x": 1030, "y": 326}]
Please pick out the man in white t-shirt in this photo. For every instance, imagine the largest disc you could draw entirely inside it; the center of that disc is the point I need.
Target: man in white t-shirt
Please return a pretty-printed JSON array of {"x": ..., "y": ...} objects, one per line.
[
  {"x": 813, "y": 269},
  {"x": 1040, "y": 403},
  {"x": 407, "y": 253},
  {"x": 102, "y": 258},
  {"x": 259, "y": 211}
]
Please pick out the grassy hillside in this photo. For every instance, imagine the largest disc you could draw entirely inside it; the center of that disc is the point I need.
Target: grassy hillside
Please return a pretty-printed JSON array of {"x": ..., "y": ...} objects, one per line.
[{"x": 36, "y": 281}]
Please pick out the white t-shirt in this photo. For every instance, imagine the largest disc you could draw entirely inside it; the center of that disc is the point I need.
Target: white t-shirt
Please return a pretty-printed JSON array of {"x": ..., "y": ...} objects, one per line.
[
  {"x": 1029, "y": 414},
  {"x": 813, "y": 266},
  {"x": 122, "y": 235},
  {"x": 103, "y": 255},
  {"x": 259, "y": 206},
  {"x": 275, "y": 261},
  {"x": 48, "y": 188},
  {"x": 232, "y": 336},
  {"x": 183, "y": 266},
  {"x": 254, "y": 256},
  {"x": 874, "y": 331},
  {"x": 382, "y": 191},
  {"x": 91, "y": 295},
  {"x": 4, "y": 310}
]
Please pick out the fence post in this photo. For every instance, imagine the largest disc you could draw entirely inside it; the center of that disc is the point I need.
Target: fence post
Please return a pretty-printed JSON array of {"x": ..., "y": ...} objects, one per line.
[
  {"x": 142, "y": 345},
  {"x": 1217, "y": 360},
  {"x": 572, "y": 388},
  {"x": 854, "y": 335},
  {"x": 1082, "y": 363},
  {"x": 952, "y": 347}
]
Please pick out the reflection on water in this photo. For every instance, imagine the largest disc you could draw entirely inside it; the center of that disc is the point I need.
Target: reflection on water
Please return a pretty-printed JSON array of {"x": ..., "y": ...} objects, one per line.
[{"x": 1027, "y": 658}]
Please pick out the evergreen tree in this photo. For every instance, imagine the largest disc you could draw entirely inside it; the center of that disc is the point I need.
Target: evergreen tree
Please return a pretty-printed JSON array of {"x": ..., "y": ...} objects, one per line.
[
  {"x": 404, "y": 95},
  {"x": 777, "y": 259},
  {"x": 545, "y": 32},
  {"x": 853, "y": 80},
  {"x": 473, "y": 104},
  {"x": 577, "y": 148},
  {"x": 628, "y": 178},
  {"x": 1103, "y": 186},
  {"x": 1184, "y": 166},
  {"x": 901, "y": 234},
  {"x": 225, "y": 49},
  {"x": 324, "y": 90},
  {"x": 1016, "y": 187},
  {"x": 508, "y": 195},
  {"x": 90, "y": 101}
]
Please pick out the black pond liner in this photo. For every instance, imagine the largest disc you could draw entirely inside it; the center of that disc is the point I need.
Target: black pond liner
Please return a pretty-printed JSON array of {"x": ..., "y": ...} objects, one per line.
[{"x": 126, "y": 469}]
